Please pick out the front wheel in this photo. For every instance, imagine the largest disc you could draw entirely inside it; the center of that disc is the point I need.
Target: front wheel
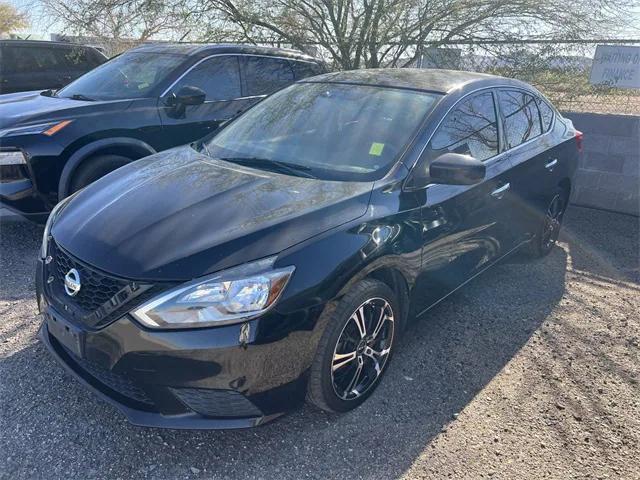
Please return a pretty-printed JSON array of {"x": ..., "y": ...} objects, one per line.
[
  {"x": 94, "y": 168},
  {"x": 355, "y": 348},
  {"x": 549, "y": 228}
]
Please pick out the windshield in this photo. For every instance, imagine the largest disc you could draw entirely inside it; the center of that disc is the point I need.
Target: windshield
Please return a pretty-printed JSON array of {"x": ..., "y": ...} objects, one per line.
[
  {"x": 324, "y": 130},
  {"x": 130, "y": 75}
]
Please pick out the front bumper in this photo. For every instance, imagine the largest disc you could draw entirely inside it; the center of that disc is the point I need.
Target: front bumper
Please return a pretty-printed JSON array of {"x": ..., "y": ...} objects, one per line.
[
  {"x": 19, "y": 195},
  {"x": 233, "y": 376}
]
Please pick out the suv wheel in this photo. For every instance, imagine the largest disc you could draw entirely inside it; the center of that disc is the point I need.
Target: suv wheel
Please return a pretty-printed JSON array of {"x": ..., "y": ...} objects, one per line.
[
  {"x": 355, "y": 348},
  {"x": 94, "y": 168}
]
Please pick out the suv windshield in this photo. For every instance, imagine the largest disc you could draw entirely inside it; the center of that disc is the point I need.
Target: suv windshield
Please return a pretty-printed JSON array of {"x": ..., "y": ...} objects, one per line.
[
  {"x": 325, "y": 130},
  {"x": 130, "y": 75}
]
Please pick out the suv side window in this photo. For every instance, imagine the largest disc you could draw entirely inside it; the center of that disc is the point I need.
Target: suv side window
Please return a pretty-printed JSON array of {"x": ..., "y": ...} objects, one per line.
[
  {"x": 218, "y": 77},
  {"x": 305, "y": 69},
  {"x": 31, "y": 59},
  {"x": 264, "y": 75},
  {"x": 470, "y": 129},
  {"x": 546, "y": 115},
  {"x": 521, "y": 116},
  {"x": 82, "y": 58}
]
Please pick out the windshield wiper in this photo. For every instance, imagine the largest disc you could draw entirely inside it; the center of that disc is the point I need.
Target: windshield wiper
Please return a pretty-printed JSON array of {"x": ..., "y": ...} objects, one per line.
[
  {"x": 275, "y": 165},
  {"x": 79, "y": 96},
  {"x": 48, "y": 93}
]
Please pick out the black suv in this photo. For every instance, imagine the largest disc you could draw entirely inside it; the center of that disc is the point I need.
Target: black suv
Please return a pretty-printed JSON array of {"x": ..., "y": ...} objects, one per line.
[
  {"x": 36, "y": 65},
  {"x": 148, "y": 99}
]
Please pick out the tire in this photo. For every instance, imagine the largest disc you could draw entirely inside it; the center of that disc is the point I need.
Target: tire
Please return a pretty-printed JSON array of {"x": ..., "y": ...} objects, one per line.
[
  {"x": 333, "y": 383},
  {"x": 94, "y": 168},
  {"x": 549, "y": 226}
]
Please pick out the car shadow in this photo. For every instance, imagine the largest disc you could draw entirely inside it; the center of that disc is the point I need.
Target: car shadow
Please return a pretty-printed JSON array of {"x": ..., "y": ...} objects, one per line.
[{"x": 445, "y": 359}]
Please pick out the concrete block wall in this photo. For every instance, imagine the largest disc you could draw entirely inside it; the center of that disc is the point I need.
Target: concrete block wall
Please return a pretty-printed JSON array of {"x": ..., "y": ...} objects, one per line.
[{"x": 609, "y": 174}]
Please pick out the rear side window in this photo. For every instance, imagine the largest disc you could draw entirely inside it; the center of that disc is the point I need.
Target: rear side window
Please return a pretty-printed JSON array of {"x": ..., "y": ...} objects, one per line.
[
  {"x": 305, "y": 69},
  {"x": 218, "y": 77},
  {"x": 546, "y": 115},
  {"x": 521, "y": 116},
  {"x": 33, "y": 59},
  {"x": 470, "y": 129},
  {"x": 83, "y": 58},
  {"x": 264, "y": 75}
]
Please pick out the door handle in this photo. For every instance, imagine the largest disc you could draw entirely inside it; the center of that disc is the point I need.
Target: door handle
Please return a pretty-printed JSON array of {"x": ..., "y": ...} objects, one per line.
[
  {"x": 552, "y": 163},
  {"x": 500, "y": 191}
]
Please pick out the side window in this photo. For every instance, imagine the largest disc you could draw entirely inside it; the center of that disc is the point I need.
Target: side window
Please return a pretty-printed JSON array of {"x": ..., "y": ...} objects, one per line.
[
  {"x": 218, "y": 77},
  {"x": 521, "y": 116},
  {"x": 546, "y": 115},
  {"x": 82, "y": 58},
  {"x": 25, "y": 60},
  {"x": 471, "y": 129},
  {"x": 264, "y": 75},
  {"x": 305, "y": 69}
]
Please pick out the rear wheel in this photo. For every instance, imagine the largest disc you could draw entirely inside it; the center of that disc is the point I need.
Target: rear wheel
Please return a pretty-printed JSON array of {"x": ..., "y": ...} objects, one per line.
[
  {"x": 94, "y": 168},
  {"x": 549, "y": 228},
  {"x": 355, "y": 348}
]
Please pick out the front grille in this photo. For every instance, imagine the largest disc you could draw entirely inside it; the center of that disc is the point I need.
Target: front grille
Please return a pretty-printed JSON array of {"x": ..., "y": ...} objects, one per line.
[
  {"x": 100, "y": 377},
  {"x": 217, "y": 403},
  {"x": 102, "y": 298},
  {"x": 96, "y": 289},
  {"x": 119, "y": 383}
]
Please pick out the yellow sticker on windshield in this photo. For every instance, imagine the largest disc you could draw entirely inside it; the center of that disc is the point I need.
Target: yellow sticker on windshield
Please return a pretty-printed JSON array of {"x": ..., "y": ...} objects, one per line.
[{"x": 376, "y": 149}]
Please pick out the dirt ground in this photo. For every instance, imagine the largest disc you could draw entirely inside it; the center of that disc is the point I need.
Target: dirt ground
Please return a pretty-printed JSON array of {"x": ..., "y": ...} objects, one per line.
[{"x": 532, "y": 371}]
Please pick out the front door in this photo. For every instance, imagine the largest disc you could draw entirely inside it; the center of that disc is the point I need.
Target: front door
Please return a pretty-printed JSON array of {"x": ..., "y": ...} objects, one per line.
[
  {"x": 464, "y": 227},
  {"x": 219, "y": 78}
]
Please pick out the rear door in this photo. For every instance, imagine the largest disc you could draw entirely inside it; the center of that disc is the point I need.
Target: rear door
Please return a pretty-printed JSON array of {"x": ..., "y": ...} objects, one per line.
[
  {"x": 464, "y": 226},
  {"x": 531, "y": 154},
  {"x": 219, "y": 78}
]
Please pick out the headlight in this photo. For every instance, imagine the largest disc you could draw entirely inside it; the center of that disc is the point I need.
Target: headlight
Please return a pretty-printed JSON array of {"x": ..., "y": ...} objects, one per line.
[
  {"x": 227, "y": 297},
  {"x": 48, "y": 129},
  {"x": 12, "y": 158},
  {"x": 50, "y": 221}
]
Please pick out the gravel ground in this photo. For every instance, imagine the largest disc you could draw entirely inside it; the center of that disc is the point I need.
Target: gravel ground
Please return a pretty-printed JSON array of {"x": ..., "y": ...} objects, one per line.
[{"x": 531, "y": 371}]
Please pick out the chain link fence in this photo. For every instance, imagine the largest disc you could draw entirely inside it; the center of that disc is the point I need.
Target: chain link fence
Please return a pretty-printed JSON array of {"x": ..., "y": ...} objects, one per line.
[{"x": 560, "y": 70}]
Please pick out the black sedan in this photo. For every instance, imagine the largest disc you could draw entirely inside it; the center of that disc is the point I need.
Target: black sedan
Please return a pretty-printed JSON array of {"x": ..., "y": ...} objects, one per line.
[{"x": 218, "y": 285}]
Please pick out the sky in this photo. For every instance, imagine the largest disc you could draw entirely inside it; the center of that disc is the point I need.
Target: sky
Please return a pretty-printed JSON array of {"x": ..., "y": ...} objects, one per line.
[{"x": 42, "y": 26}]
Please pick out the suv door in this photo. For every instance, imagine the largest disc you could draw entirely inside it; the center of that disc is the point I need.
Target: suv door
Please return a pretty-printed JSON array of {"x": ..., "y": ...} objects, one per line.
[
  {"x": 528, "y": 151},
  {"x": 219, "y": 78},
  {"x": 464, "y": 227}
]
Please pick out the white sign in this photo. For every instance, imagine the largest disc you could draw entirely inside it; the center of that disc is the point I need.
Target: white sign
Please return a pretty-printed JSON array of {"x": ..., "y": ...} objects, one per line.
[{"x": 616, "y": 66}]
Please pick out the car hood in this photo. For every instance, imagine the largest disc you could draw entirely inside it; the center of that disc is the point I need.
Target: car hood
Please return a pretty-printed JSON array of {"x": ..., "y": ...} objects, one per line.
[
  {"x": 179, "y": 214},
  {"x": 25, "y": 108}
]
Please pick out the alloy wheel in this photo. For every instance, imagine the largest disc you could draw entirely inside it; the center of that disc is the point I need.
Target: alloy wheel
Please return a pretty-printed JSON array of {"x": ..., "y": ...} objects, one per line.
[{"x": 363, "y": 348}]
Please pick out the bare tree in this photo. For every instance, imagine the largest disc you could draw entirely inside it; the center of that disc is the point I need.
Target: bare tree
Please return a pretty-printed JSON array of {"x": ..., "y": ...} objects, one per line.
[
  {"x": 373, "y": 33},
  {"x": 11, "y": 19},
  {"x": 120, "y": 24}
]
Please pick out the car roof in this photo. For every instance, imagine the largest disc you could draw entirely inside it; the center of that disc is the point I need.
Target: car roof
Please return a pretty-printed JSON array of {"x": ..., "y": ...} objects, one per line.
[
  {"x": 43, "y": 43},
  {"x": 204, "y": 50},
  {"x": 430, "y": 80}
]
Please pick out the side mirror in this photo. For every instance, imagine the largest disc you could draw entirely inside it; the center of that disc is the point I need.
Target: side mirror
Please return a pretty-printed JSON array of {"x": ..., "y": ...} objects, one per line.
[
  {"x": 456, "y": 169},
  {"x": 188, "y": 95}
]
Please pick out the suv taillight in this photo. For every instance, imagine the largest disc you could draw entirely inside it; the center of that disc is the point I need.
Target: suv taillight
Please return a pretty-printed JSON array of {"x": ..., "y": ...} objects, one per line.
[{"x": 579, "y": 136}]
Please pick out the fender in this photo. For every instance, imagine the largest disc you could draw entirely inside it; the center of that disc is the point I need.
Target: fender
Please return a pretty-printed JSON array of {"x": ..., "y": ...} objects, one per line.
[{"x": 81, "y": 154}]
